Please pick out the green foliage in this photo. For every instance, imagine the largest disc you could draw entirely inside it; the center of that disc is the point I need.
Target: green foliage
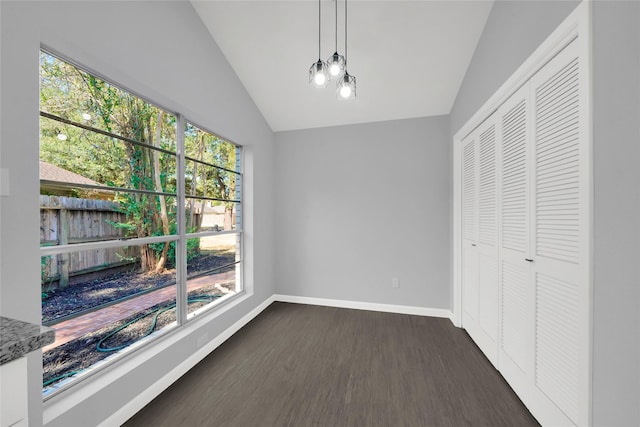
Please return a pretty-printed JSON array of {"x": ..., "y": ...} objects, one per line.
[
  {"x": 193, "y": 248},
  {"x": 64, "y": 92},
  {"x": 129, "y": 228},
  {"x": 124, "y": 257},
  {"x": 73, "y": 94},
  {"x": 45, "y": 274}
]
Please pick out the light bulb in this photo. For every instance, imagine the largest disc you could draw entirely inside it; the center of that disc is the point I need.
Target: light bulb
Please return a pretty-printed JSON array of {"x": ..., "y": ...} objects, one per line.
[
  {"x": 318, "y": 74},
  {"x": 320, "y": 79},
  {"x": 345, "y": 91},
  {"x": 335, "y": 65},
  {"x": 62, "y": 137}
]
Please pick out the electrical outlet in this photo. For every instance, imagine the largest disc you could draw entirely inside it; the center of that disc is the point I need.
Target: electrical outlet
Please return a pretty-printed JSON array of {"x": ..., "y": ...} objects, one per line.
[
  {"x": 395, "y": 282},
  {"x": 202, "y": 339}
]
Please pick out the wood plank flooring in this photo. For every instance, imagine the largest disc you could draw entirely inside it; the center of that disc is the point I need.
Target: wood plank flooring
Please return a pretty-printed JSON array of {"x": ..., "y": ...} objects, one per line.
[{"x": 302, "y": 365}]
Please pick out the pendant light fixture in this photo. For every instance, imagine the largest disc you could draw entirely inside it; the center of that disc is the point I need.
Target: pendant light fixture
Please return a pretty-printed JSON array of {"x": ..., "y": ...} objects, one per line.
[
  {"x": 318, "y": 76},
  {"x": 346, "y": 88},
  {"x": 335, "y": 63}
]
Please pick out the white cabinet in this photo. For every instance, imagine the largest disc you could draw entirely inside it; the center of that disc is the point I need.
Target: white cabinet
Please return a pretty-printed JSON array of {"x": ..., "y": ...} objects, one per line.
[
  {"x": 13, "y": 393},
  {"x": 524, "y": 211},
  {"x": 17, "y": 339}
]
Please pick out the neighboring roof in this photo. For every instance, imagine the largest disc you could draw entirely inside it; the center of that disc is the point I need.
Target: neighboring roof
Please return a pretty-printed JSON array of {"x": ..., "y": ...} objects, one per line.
[{"x": 50, "y": 172}]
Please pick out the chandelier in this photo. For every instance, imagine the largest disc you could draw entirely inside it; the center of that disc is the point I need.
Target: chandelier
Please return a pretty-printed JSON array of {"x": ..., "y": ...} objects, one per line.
[{"x": 336, "y": 66}]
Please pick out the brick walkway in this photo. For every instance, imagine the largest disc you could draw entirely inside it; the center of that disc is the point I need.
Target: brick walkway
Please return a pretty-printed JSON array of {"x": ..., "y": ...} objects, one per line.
[{"x": 81, "y": 325}]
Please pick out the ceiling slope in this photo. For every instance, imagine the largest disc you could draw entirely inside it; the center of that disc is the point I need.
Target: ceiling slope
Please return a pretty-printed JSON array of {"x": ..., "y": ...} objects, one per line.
[{"x": 409, "y": 57}]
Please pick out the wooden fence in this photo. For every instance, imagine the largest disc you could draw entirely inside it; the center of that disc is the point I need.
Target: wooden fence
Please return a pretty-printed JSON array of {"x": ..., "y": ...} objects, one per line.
[{"x": 68, "y": 220}]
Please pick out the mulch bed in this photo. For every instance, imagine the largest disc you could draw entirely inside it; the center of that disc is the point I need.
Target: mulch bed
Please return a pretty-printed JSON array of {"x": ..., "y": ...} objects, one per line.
[
  {"x": 81, "y": 296},
  {"x": 74, "y": 356}
]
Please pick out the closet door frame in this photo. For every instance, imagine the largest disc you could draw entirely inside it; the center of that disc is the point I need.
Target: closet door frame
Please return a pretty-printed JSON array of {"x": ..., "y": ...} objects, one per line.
[{"x": 577, "y": 26}]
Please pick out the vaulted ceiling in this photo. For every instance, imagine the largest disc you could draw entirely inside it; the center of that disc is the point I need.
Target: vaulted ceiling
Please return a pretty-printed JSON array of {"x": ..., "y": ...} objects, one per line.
[{"x": 409, "y": 57}]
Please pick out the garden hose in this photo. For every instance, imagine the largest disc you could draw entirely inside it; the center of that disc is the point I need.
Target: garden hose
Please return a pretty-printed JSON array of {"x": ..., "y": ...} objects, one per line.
[
  {"x": 58, "y": 378},
  {"x": 157, "y": 312}
]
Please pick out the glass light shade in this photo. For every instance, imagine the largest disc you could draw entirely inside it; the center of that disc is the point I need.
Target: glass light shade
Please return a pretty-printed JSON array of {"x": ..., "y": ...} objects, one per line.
[
  {"x": 347, "y": 87},
  {"x": 336, "y": 65},
  {"x": 318, "y": 74}
]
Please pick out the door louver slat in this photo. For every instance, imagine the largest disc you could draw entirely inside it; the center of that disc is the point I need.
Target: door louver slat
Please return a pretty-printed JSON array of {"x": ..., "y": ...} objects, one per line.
[
  {"x": 469, "y": 192},
  {"x": 488, "y": 231},
  {"x": 558, "y": 162},
  {"x": 514, "y": 307},
  {"x": 556, "y": 341},
  {"x": 514, "y": 170}
]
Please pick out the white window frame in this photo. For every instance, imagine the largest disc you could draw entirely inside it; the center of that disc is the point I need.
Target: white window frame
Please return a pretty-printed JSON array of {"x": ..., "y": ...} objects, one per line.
[{"x": 182, "y": 317}]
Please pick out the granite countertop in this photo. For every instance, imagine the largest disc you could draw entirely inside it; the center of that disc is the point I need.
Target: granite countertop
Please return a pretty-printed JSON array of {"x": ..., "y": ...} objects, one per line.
[{"x": 18, "y": 338}]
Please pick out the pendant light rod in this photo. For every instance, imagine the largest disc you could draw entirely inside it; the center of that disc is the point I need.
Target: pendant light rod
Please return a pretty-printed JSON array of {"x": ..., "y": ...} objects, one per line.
[
  {"x": 319, "y": 26},
  {"x": 336, "y": 21},
  {"x": 345, "y": 31}
]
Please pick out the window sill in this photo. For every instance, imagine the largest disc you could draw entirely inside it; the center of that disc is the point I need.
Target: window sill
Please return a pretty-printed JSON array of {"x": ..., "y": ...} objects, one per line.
[{"x": 104, "y": 374}]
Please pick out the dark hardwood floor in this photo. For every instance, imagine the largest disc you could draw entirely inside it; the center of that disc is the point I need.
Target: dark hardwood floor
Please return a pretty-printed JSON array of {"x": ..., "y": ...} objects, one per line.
[{"x": 302, "y": 365}]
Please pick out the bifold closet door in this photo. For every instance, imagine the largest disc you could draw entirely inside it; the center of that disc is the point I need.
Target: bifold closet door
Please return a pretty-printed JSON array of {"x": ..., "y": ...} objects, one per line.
[
  {"x": 544, "y": 289},
  {"x": 516, "y": 292},
  {"x": 482, "y": 321},
  {"x": 560, "y": 245},
  {"x": 524, "y": 170},
  {"x": 469, "y": 231}
]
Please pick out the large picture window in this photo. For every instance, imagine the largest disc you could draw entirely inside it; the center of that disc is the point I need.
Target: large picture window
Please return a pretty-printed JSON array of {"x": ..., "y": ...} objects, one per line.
[{"x": 140, "y": 220}]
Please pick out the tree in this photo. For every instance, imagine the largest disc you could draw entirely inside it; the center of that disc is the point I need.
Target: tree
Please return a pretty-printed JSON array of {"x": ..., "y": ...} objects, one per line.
[
  {"x": 224, "y": 154},
  {"x": 209, "y": 181},
  {"x": 84, "y": 152},
  {"x": 131, "y": 162},
  {"x": 139, "y": 121},
  {"x": 164, "y": 217},
  {"x": 80, "y": 97}
]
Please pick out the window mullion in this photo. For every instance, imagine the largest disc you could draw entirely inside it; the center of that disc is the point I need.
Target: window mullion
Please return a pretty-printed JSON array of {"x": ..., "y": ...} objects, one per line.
[{"x": 181, "y": 246}]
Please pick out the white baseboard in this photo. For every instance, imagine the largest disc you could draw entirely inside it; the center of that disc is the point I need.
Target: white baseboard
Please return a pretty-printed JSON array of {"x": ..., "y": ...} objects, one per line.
[
  {"x": 135, "y": 405},
  {"x": 371, "y": 306}
]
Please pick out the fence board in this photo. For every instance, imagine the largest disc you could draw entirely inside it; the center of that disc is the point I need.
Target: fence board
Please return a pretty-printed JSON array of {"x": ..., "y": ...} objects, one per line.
[{"x": 86, "y": 220}]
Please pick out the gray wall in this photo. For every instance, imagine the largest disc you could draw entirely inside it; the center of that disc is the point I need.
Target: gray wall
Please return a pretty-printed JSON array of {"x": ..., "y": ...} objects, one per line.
[
  {"x": 360, "y": 204},
  {"x": 183, "y": 70},
  {"x": 616, "y": 305},
  {"x": 513, "y": 31}
]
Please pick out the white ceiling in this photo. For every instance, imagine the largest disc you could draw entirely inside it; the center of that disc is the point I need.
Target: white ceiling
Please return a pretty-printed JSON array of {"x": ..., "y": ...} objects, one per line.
[{"x": 409, "y": 57}]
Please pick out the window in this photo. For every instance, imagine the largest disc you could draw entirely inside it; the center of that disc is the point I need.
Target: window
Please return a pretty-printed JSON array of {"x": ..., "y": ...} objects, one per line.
[{"x": 140, "y": 220}]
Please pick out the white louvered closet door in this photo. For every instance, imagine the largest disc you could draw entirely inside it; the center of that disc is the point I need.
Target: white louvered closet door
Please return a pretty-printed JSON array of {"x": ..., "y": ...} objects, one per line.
[
  {"x": 516, "y": 292},
  {"x": 469, "y": 231},
  {"x": 560, "y": 244},
  {"x": 526, "y": 229},
  {"x": 483, "y": 328}
]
